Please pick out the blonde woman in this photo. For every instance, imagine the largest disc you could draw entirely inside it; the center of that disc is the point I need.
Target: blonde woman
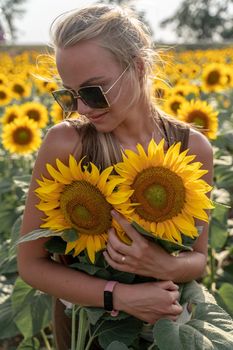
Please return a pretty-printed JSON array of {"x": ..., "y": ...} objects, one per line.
[{"x": 104, "y": 57}]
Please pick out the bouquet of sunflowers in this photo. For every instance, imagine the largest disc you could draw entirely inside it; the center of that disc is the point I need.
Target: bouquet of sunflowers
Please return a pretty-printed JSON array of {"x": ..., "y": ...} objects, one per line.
[{"x": 160, "y": 194}]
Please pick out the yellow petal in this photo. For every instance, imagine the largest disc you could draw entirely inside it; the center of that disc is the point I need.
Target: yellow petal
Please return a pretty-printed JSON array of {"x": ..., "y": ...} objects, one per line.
[
  {"x": 56, "y": 175},
  {"x": 91, "y": 248},
  {"x": 64, "y": 170}
]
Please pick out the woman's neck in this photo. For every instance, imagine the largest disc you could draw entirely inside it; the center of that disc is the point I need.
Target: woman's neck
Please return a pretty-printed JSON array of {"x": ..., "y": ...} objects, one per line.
[{"x": 140, "y": 127}]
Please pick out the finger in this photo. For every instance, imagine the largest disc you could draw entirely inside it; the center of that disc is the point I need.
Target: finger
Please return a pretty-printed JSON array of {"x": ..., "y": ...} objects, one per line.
[
  {"x": 175, "y": 309},
  {"x": 114, "y": 254},
  {"x": 169, "y": 285},
  {"x": 117, "y": 244},
  {"x": 127, "y": 227},
  {"x": 175, "y": 296},
  {"x": 117, "y": 266}
]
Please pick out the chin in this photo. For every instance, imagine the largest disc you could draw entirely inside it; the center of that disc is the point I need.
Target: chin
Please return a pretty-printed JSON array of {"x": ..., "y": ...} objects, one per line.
[{"x": 103, "y": 128}]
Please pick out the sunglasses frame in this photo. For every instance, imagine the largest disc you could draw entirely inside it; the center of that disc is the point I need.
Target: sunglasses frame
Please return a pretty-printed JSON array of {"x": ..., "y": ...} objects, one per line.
[{"x": 77, "y": 95}]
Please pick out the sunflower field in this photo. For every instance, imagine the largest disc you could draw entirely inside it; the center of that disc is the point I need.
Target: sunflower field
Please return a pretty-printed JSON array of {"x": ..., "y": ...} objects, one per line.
[{"x": 193, "y": 86}]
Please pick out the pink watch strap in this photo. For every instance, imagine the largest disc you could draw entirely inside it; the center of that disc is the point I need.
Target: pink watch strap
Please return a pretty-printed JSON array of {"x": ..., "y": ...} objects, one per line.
[{"x": 109, "y": 288}]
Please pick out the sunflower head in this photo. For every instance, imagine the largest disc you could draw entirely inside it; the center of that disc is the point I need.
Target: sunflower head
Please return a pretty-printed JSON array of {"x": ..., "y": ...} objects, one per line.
[
  {"x": 167, "y": 190},
  {"x": 201, "y": 115},
  {"x": 21, "y": 136},
  {"x": 81, "y": 198}
]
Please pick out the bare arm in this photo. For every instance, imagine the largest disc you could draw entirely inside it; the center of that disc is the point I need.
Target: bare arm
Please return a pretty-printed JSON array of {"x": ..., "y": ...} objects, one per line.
[
  {"x": 147, "y": 302},
  {"x": 34, "y": 263},
  {"x": 149, "y": 259}
]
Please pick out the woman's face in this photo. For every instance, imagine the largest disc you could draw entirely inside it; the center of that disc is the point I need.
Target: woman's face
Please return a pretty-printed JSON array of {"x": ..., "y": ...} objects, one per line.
[{"x": 87, "y": 63}]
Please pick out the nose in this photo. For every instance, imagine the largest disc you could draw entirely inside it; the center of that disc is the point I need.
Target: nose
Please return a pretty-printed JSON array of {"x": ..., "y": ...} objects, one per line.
[{"x": 82, "y": 108}]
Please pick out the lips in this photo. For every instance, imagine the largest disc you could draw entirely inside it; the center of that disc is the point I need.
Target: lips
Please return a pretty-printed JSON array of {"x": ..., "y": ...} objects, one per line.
[{"x": 96, "y": 117}]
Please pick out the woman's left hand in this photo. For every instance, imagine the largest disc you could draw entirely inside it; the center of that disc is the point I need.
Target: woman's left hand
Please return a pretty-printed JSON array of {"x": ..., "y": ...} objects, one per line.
[{"x": 142, "y": 257}]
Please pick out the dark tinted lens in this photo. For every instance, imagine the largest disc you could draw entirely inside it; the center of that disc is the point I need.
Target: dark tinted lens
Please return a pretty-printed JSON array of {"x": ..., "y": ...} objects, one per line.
[
  {"x": 66, "y": 100},
  {"x": 93, "y": 96}
]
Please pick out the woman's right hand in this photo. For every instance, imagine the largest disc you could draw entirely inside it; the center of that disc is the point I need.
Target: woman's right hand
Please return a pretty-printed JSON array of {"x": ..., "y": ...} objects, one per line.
[{"x": 149, "y": 301}]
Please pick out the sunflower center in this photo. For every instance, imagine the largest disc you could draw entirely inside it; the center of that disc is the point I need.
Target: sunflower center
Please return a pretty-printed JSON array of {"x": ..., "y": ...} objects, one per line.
[
  {"x": 160, "y": 192},
  {"x": 175, "y": 106},
  {"x": 85, "y": 208},
  {"x": 18, "y": 89},
  {"x": 213, "y": 77},
  {"x": 2, "y": 95},
  {"x": 11, "y": 117},
  {"x": 156, "y": 196},
  {"x": 33, "y": 114},
  {"x": 81, "y": 212},
  {"x": 198, "y": 118},
  {"x": 22, "y": 136}
]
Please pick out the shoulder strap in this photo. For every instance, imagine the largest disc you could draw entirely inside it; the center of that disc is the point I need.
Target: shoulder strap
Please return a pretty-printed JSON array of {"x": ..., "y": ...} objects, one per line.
[{"x": 175, "y": 132}]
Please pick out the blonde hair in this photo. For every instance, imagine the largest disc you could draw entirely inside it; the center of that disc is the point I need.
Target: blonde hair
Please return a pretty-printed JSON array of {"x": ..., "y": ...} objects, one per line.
[{"x": 118, "y": 30}]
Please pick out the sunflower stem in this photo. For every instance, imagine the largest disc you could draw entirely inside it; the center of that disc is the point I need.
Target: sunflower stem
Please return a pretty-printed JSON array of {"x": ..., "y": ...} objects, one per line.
[
  {"x": 75, "y": 309},
  {"x": 82, "y": 329},
  {"x": 93, "y": 336},
  {"x": 45, "y": 339},
  {"x": 212, "y": 268}
]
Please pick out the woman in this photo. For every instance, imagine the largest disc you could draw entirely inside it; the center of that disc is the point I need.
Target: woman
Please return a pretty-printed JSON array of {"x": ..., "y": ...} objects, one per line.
[{"x": 107, "y": 48}]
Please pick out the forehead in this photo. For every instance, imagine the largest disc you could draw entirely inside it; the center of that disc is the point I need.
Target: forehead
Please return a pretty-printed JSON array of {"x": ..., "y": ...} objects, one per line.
[{"x": 82, "y": 61}]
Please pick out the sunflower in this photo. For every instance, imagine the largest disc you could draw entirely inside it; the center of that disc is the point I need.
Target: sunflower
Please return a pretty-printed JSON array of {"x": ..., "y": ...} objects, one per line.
[
  {"x": 214, "y": 78},
  {"x": 173, "y": 103},
  {"x": 3, "y": 79},
  {"x": 58, "y": 114},
  {"x": 160, "y": 89},
  {"x": 37, "y": 112},
  {"x": 5, "y": 96},
  {"x": 10, "y": 114},
  {"x": 20, "y": 89},
  {"x": 185, "y": 90},
  {"x": 167, "y": 188},
  {"x": 80, "y": 198},
  {"x": 21, "y": 136},
  {"x": 202, "y": 115}
]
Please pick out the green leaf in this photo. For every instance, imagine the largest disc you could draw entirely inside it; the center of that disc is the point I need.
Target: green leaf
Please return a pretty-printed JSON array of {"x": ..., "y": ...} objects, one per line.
[
  {"x": 225, "y": 292},
  {"x": 124, "y": 331},
  {"x": 220, "y": 212},
  {"x": 195, "y": 293},
  {"x": 56, "y": 245},
  {"x": 218, "y": 234},
  {"x": 116, "y": 345},
  {"x": 210, "y": 328},
  {"x": 15, "y": 232},
  {"x": 70, "y": 235},
  {"x": 226, "y": 275},
  {"x": 32, "y": 309},
  {"x": 29, "y": 344},
  {"x": 92, "y": 270},
  {"x": 39, "y": 233},
  {"x": 94, "y": 314},
  {"x": 8, "y": 328}
]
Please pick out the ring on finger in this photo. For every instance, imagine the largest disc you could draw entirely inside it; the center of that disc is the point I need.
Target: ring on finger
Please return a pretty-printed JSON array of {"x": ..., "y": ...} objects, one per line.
[{"x": 123, "y": 259}]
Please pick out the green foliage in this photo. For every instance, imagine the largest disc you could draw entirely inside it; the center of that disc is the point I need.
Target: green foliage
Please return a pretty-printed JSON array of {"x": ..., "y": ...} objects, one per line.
[
  {"x": 11, "y": 9},
  {"x": 202, "y": 20}
]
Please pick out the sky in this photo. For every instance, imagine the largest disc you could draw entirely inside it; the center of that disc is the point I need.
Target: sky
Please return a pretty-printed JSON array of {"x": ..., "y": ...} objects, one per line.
[{"x": 33, "y": 26}]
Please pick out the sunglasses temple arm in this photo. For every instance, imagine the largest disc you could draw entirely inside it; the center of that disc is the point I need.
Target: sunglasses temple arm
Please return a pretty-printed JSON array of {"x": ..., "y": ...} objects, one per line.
[{"x": 117, "y": 79}]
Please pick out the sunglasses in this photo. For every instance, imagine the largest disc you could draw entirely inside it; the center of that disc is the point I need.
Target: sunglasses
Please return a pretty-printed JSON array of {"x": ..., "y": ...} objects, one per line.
[{"x": 93, "y": 96}]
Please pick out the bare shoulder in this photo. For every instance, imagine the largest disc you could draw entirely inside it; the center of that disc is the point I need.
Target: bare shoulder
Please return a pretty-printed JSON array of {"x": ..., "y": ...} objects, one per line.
[
  {"x": 60, "y": 141},
  {"x": 200, "y": 146}
]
